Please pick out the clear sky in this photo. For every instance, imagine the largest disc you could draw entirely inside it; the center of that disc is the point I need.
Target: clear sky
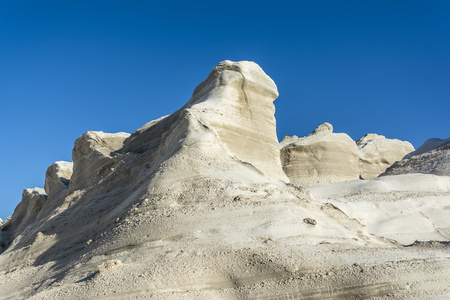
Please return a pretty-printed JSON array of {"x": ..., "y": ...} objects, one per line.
[{"x": 67, "y": 67}]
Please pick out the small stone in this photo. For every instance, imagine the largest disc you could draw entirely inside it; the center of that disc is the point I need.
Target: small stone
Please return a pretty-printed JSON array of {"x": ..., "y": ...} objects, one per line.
[
  {"x": 108, "y": 265},
  {"x": 310, "y": 221}
]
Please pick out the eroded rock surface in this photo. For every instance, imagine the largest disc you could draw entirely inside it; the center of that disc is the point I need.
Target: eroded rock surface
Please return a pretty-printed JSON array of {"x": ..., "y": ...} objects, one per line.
[
  {"x": 26, "y": 213},
  {"x": 377, "y": 153},
  {"x": 321, "y": 157},
  {"x": 92, "y": 155},
  {"x": 235, "y": 103},
  {"x": 325, "y": 157},
  {"x": 433, "y": 157},
  {"x": 57, "y": 178}
]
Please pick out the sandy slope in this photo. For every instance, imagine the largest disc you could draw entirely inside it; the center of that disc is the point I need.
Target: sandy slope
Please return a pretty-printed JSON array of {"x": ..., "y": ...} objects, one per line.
[{"x": 256, "y": 246}]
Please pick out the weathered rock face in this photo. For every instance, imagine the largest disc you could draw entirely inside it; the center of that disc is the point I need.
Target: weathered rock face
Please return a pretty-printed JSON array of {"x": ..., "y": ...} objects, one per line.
[
  {"x": 27, "y": 212},
  {"x": 377, "y": 153},
  {"x": 236, "y": 103},
  {"x": 92, "y": 155},
  {"x": 433, "y": 157},
  {"x": 57, "y": 178},
  {"x": 321, "y": 157},
  {"x": 324, "y": 156},
  {"x": 240, "y": 108}
]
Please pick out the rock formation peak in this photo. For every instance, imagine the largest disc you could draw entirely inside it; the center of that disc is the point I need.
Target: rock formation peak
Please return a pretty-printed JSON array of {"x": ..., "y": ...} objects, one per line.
[
  {"x": 323, "y": 128},
  {"x": 235, "y": 105}
]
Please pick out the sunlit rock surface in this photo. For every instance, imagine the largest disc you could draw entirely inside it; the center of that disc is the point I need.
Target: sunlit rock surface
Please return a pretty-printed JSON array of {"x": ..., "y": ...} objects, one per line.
[
  {"x": 377, "y": 153},
  {"x": 57, "y": 178},
  {"x": 404, "y": 208},
  {"x": 27, "y": 212},
  {"x": 325, "y": 157},
  {"x": 235, "y": 104},
  {"x": 321, "y": 157},
  {"x": 93, "y": 154}
]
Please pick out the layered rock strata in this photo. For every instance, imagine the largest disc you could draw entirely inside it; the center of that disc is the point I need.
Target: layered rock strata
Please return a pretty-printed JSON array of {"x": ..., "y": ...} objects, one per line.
[
  {"x": 325, "y": 157},
  {"x": 92, "y": 155},
  {"x": 27, "y": 213},
  {"x": 235, "y": 103},
  {"x": 321, "y": 157}
]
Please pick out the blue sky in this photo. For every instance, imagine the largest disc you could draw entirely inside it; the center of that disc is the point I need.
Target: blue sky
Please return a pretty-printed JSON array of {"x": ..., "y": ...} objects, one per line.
[{"x": 67, "y": 67}]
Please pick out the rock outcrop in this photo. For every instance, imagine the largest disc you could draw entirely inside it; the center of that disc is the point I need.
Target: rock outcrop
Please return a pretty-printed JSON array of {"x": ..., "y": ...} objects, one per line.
[
  {"x": 235, "y": 103},
  {"x": 321, "y": 157},
  {"x": 433, "y": 157},
  {"x": 93, "y": 154},
  {"x": 27, "y": 212},
  {"x": 57, "y": 178},
  {"x": 377, "y": 153},
  {"x": 325, "y": 157}
]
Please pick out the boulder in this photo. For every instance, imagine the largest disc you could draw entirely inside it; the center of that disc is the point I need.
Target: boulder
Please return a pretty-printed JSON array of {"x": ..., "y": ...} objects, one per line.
[
  {"x": 377, "y": 153},
  {"x": 321, "y": 157},
  {"x": 433, "y": 157}
]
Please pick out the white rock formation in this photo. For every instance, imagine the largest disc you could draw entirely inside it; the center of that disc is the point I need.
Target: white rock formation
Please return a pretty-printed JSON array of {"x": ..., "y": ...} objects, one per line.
[
  {"x": 321, "y": 157},
  {"x": 433, "y": 157},
  {"x": 235, "y": 103},
  {"x": 27, "y": 212},
  {"x": 92, "y": 155},
  {"x": 195, "y": 205},
  {"x": 325, "y": 157},
  {"x": 377, "y": 153},
  {"x": 57, "y": 178}
]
